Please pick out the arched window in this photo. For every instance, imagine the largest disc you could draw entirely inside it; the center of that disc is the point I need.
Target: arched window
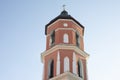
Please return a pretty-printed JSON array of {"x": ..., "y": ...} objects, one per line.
[
  {"x": 50, "y": 69},
  {"x": 80, "y": 69},
  {"x": 65, "y": 38},
  {"x": 66, "y": 64},
  {"x": 52, "y": 38},
  {"x": 77, "y": 39}
]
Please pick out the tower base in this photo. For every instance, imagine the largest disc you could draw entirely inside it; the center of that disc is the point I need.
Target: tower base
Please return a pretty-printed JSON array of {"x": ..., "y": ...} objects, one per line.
[{"x": 66, "y": 76}]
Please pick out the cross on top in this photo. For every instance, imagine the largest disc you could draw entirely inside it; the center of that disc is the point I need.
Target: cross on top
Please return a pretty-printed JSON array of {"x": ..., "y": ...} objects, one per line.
[{"x": 64, "y": 7}]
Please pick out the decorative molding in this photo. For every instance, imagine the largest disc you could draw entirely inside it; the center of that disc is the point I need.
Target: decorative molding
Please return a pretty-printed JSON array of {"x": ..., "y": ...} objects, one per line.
[
  {"x": 65, "y": 29},
  {"x": 66, "y": 47},
  {"x": 63, "y": 20}
]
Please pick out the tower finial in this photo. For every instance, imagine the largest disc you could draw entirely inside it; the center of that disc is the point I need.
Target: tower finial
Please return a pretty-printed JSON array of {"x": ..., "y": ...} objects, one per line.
[{"x": 64, "y": 7}]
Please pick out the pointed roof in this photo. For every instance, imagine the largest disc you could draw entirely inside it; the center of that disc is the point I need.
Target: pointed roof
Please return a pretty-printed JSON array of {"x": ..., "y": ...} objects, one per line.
[{"x": 64, "y": 15}]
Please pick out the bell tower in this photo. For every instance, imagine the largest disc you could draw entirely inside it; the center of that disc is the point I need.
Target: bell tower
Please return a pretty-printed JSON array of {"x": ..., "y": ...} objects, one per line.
[{"x": 64, "y": 57}]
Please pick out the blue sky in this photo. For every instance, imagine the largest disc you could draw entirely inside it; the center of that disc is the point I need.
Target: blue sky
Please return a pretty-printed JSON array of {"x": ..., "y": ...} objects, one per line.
[{"x": 22, "y": 38}]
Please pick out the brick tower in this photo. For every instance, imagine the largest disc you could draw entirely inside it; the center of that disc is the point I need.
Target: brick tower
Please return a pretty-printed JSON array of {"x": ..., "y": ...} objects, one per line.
[{"x": 64, "y": 57}]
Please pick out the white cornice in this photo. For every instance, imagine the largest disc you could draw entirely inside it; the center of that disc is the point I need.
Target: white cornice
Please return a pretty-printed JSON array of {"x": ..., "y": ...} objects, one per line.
[
  {"x": 68, "y": 47},
  {"x": 65, "y": 29}
]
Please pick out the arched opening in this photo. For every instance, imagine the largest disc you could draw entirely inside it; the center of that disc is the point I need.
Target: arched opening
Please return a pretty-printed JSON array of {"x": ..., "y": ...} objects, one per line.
[
  {"x": 65, "y": 38},
  {"x": 51, "y": 69},
  {"x": 77, "y": 40},
  {"x": 80, "y": 69},
  {"x": 52, "y": 38},
  {"x": 66, "y": 64}
]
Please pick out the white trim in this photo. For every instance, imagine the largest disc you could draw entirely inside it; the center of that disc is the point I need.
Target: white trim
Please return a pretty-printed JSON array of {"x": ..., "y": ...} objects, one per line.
[
  {"x": 58, "y": 64},
  {"x": 74, "y": 63},
  {"x": 86, "y": 71},
  {"x": 65, "y": 46},
  {"x": 65, "y": 29},
  {"x": 63, "y": 20}
]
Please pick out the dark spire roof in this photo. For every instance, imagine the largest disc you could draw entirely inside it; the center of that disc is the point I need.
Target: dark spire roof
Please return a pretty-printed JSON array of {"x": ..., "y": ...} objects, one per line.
[{"x": 64, "y": 15}]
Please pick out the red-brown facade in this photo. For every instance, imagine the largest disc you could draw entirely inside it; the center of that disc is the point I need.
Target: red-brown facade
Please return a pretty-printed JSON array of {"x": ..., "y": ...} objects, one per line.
[{"x": 64, "y": 39}]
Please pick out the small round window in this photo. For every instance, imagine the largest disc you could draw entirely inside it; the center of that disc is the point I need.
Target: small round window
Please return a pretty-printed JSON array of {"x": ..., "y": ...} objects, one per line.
[{"x": 65, "y": 24}]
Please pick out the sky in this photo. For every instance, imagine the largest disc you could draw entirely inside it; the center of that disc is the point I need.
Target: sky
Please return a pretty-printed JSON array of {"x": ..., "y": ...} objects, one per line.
[{"x": 22, "y": 36}]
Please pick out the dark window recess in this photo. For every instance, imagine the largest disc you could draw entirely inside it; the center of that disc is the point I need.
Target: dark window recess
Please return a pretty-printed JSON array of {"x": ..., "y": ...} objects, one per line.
[
  {"x": 79, "y": 69},
  {"x": 51, "y": 69},
  {"x": 77, "y": 40},
  {"x": 53, "y": 37}
]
